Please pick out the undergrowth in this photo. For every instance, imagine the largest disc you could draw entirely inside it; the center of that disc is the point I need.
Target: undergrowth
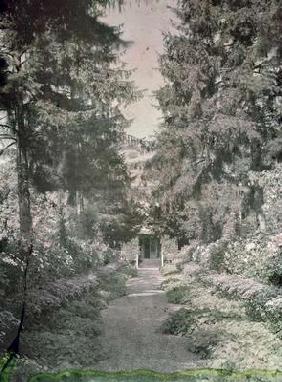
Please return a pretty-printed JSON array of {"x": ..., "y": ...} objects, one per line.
[
  {"x": 186, "y": 321},
  {"x": 179, "y": 295},
  {"x": 218, "y": 328},
  {"x": 69, "y": 336}
]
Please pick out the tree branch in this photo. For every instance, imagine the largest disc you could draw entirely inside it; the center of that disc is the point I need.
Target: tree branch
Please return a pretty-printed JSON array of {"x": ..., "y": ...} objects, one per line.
[
  {"x": 7, "y": 136},
  {"x": 5, "y": 126},
  {"x": 3, "y": 150}
]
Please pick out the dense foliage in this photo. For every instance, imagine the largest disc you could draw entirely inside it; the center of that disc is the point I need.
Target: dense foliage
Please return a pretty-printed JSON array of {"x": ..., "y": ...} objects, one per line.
[
  {"x": 64, "y": 205},
  {"x": 221, "y": 106},
  {"x": 218, "y": 163}
]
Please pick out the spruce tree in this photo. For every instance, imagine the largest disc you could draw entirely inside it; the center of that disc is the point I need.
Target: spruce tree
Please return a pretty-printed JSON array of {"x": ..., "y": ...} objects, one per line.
[
  {"x": 221, "y": 113},
  {"x": 60, "y": 94}
]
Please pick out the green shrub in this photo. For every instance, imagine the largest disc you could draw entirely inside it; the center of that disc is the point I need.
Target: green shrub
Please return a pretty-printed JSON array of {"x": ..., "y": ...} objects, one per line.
[
  {"x": 129, "y": 270},
  {"x": 186, "y": 320},
  {"x": 180, "y": 322},
  {"x": 114, "y": 283},
  {"x": 170, "y": 282},
  {"x": 217, "y": 255},
  {"x": 169, "y": 269},
  {"x": 178, "y": 295},
  {"x": 130, "y": 250},
  {"x": 203, "y": 342},
  {"x": 273, "y": 264}
]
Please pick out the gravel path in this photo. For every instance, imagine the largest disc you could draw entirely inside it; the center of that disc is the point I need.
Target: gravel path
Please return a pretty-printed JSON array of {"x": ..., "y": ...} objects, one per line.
[{"x": 131, "y": 338}]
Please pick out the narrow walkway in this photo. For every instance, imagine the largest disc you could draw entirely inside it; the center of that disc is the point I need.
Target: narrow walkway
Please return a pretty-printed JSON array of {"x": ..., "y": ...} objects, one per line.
[{"x": 131, "y": 339}]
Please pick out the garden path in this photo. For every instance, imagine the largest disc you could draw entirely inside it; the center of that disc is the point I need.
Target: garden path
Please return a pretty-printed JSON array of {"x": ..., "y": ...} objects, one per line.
[{"x": 132, "y": 339}]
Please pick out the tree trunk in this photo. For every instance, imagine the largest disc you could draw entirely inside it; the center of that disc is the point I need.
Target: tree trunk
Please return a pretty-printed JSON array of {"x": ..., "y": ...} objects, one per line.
[
  {"x": 24, "y": 194},
  {"x": 25, "y": 217}
]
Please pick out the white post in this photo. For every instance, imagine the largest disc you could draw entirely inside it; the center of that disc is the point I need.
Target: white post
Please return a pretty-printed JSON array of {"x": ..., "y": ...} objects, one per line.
[{"x": 136, "y": 260}]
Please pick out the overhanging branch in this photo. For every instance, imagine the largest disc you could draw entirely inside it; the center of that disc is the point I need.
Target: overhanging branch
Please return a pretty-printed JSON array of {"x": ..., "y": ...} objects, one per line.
[
  {"x": 7, "y": 136},
  {"x": 6, "y": 148},
  {"x": 5, "y": 126}
]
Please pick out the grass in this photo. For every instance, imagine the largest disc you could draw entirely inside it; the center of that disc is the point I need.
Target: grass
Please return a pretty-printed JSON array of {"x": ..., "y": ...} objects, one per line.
[
  {"x": 191, "y": 375},
  {"x": 197, "y": 375}
]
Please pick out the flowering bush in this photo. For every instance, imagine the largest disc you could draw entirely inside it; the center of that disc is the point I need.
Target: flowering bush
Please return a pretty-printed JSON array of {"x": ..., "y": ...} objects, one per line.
[
  {"x": 191, "y": 270},
  {"x": 257, "y": 297},
  {"x": 130, "y": 250},
  {"x": 185, "y": 255},
  {"x": 169, "y": 247},
  {"x": 211, "y": 256},
  {"x": 257, "y": 257}
]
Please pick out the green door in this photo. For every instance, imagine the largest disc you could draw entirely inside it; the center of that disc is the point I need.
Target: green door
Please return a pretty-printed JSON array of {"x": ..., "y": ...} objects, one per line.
[{"x": 147, "y": 247}]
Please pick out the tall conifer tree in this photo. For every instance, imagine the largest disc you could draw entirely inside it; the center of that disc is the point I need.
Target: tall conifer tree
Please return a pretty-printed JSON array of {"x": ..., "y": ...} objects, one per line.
[{"x": 221, "y": 112}]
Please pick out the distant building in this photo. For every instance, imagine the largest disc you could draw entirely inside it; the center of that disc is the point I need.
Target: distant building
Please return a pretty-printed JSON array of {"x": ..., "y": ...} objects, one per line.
[{"x": 150, "y": 254}]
